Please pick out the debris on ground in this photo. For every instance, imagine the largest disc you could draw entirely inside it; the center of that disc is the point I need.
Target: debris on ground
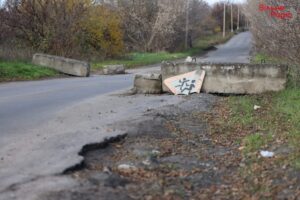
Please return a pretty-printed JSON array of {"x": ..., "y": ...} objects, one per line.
[
  {"x": 257, "y": 107},
  {"x": 267, "y": 154},
  {"x": 113, "y": 70},
  {"x": 187, "y": 153},
  {"x": 126, "y": 167},
  {"x": 189, "y": 59}
]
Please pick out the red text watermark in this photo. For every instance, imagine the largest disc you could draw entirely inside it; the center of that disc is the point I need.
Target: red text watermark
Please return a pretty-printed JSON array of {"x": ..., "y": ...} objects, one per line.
[{"x": 279, "y": 12}]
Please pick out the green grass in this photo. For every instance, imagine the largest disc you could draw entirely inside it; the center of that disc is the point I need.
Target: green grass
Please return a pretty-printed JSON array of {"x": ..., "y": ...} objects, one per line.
[
  {"x": 288, "y": 103},
  {"x": 259, "y": 57},
  {"x": 277, "y": 120},
  {"x": 253, "y": 142},
  {"x": 141, "y": 59},
  {"x": 13, "y": 70},
  {"x": 244, "y": 106},
  {"x": 297, "y": 163},
  {"x": 17, "y": 70}
]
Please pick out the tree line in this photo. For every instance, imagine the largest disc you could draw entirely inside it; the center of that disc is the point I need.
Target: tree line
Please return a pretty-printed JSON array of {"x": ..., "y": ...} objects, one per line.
[{"x": 99, "y": 29}]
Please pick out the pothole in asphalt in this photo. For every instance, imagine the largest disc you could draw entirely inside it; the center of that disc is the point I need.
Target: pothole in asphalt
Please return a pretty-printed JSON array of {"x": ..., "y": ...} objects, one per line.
[{"x": 169, "y": 157}]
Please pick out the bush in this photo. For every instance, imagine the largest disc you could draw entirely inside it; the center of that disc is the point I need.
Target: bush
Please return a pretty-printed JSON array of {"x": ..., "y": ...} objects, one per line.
[{"x": 70, "y": 28}]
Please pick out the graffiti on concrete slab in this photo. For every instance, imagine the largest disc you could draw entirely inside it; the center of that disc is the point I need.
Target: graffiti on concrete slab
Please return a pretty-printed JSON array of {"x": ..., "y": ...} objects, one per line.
[{"x": 186, "y": 84}]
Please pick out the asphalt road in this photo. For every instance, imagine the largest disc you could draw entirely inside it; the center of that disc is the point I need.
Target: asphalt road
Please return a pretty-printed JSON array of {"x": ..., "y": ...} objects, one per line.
[
  {"x": 24, "y": 105},
  {"x": 236, "y": 50},
  {"x": 44, "y": 124}
]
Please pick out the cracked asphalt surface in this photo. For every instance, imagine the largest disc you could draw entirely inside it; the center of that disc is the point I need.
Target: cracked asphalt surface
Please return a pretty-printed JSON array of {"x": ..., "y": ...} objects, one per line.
[{"x": 44, "y": 124}]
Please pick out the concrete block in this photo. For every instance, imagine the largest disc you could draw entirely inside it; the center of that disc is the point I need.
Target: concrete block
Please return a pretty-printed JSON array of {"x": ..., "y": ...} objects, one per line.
[
  {"x": 230, "y": 78},
  {"x": 113, "y": 69},
  {"x": 61, "y": 64},
  {"x": 148, "y": 84}
]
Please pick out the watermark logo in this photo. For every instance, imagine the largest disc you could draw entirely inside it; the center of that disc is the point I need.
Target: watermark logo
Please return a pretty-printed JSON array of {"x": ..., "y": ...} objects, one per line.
[{"x": 280, "y": 12}]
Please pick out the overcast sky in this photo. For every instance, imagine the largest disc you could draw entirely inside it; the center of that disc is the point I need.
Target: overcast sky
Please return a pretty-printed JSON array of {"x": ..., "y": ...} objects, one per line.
[
  {"x": 209, "y": 1},
  {"x": 214, "y": 1}
]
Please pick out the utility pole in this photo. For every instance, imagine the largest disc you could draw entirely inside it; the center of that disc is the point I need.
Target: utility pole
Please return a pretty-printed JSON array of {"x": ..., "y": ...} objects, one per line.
[
  {"x": 187, "y": 24},
  {"x": 231, "y": 18},
  {"x": 238, "y": 18},
  {"x": 224, "y": 21}
]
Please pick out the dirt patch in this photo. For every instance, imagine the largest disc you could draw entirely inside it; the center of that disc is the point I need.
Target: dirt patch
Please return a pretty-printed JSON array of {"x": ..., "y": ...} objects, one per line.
[{"x": 177, "y": 152}]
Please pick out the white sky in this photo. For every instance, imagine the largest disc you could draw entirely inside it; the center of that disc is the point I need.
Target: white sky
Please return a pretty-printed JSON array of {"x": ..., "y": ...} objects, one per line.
[
  {"x": 209, "y": 1},
  {"x": 214, "y": 1}
]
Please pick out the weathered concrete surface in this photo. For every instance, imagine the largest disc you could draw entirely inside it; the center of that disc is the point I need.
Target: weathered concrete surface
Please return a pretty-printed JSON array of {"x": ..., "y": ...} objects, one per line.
[
  {"x": 113, "y": 69},
  {"x": 232, "y": 78},
  {"x": 64, "y": 65},
  {"x": 148, "y": 84}
]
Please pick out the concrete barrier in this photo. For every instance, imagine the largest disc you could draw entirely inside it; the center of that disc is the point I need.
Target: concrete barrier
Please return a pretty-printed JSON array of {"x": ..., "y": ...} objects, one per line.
[
  {"x": 148, "y": 84},
  {"x": 113, "y": 69},
  {"x": 232, "y": 78},
  {"x": 64, "y": 65}
]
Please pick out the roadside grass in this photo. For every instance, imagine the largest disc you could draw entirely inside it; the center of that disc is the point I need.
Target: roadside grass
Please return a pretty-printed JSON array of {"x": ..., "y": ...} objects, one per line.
[
  {"x": 141, "y": 59},
  {"x": 274, "y": 125},
  {"x": 289, "y": 104},
  {"x": 18, "y": 70},
  {"x": 259, "y": 57},
  {"x": 253, "y": 142}
]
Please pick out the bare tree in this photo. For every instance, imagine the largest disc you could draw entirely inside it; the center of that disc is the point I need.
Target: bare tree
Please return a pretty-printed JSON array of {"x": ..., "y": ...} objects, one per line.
[
  {"x": 162, "y": 24},
  {"x": 46, "y": 25},
  {"x": 275, "y": 34}
]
